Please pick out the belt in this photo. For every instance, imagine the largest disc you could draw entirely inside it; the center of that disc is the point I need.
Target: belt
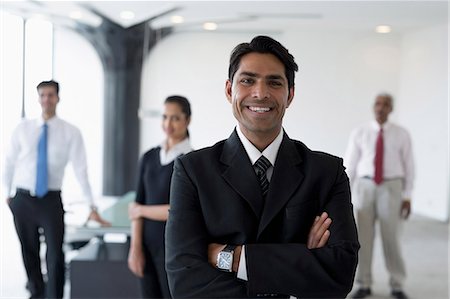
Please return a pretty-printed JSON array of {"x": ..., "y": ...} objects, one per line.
[{"x": 27, "y": 192}]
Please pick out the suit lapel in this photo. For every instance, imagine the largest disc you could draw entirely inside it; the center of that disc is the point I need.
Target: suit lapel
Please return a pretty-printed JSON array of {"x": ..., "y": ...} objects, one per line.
[
  {"x": 240, "y": 174},
  {"x": 286, "y": 178}
]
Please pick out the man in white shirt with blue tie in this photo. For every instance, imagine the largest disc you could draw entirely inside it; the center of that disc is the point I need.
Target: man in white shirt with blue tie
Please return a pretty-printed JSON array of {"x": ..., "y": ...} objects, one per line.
[
  {"x": 39, "y": 152},
  {"x": 379, "y": 162}
]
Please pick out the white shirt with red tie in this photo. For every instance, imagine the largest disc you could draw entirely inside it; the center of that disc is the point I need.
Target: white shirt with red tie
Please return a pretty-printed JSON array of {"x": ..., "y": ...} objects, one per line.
[{"x": 398, "y": 159}]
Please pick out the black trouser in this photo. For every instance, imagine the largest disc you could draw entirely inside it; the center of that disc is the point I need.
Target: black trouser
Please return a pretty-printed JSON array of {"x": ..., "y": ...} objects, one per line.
[
  {"x": 31, "y": 213},
  {"x": 154, "y": 283}
]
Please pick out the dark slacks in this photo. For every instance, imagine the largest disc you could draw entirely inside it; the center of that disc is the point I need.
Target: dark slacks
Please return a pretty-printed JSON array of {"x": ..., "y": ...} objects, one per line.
[
  {"x": 31, "y": 213},
  {"x": 154, "y": 283}
]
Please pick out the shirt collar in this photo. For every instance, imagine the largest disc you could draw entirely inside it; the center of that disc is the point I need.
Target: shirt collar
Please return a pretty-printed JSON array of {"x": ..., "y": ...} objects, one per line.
[
  {"x": 49, "y": 121},
  {"x": 374, "y": 124},
  {"x": 269, "y": 152},
  {"x": 180, "y": 148}
]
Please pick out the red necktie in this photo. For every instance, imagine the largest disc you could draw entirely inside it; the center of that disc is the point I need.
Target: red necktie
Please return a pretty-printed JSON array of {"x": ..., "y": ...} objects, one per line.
[{"x": 378, "y": 177}]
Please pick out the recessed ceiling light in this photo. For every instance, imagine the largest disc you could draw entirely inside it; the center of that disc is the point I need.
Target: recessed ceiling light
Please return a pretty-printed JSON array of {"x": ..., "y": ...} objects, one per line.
[
  {"x": 86, "y": 17},
  {"x": 209, "y": 26},
  {"x": 39, "y": 16},
  {"x": 127, "y": 15},
  {"x": 383, "y": 29},
  {"x": 176, "y": 19},
  {"x": 76, "y": 15}
]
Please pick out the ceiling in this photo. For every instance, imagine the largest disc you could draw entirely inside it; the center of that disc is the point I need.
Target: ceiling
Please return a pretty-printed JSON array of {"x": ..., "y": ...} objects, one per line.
[{"x": 243, "y": 16}]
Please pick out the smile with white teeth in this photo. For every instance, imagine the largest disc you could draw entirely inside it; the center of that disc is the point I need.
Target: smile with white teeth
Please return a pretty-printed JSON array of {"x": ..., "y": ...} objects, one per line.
[{"x": 259, "y": 109}]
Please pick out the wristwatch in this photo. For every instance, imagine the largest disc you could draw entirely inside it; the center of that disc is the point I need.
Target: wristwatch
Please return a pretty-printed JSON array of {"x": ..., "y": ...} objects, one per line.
[{"x": 225, "y": 258}]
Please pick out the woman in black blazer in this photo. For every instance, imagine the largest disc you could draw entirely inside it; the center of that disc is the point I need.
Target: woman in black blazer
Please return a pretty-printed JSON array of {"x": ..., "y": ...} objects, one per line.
[{"x": 150, "y": 210}]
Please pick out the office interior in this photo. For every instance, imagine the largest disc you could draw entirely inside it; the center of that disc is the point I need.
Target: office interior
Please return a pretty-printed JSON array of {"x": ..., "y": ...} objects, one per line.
[{"x": 116, "y": 62}]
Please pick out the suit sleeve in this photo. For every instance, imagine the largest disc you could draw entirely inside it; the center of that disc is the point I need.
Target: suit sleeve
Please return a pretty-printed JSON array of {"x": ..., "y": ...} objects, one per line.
[
  {"x": 327, "y": 272},
  {"x": 189, "y": 273}
]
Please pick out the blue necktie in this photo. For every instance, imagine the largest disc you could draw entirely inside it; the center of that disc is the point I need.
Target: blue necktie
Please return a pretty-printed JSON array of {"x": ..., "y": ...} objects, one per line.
[{"x": 42, "y": 169}]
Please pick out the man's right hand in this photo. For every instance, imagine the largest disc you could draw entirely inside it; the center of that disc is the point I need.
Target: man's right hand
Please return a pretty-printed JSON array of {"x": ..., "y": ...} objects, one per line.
[
  {"x": 136, "y": 261},
  {"x": 319, "y": 233}
]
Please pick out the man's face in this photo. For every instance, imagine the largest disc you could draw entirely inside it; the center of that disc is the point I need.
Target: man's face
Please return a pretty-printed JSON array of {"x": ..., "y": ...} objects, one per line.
[
  {"x": 382, "y": 108},
  {"x": 48, "y": 99},
  {"x": 259, "y": 94}
]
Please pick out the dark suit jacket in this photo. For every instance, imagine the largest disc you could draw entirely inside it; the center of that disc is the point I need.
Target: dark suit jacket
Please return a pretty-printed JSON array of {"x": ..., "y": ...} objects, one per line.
[{"x": 215, "y": 197}]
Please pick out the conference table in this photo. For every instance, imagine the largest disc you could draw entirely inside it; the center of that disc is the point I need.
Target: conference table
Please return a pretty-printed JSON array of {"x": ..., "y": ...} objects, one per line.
[{"x": 99, "y": 267}]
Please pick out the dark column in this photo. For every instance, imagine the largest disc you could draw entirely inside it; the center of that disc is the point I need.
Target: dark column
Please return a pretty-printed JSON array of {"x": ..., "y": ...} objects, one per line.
[{"x": 122, "y": 51}]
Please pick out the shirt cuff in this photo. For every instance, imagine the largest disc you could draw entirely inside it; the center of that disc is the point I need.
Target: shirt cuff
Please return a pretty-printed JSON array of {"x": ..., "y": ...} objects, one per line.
[
  {"x": 242, "y": 269},
  {"x": 90, "y": 200},
  {"x": 406, "y": 194},
  {"x": 6, "y": 192}
]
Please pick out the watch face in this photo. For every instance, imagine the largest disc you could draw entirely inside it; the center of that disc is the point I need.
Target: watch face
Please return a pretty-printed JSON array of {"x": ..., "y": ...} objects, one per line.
[{"x": 225, "y": 260}]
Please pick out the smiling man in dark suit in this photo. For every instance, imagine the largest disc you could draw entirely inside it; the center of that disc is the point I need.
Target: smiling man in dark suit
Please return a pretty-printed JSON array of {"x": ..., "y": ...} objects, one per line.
[{"x": 260, "y": 214}]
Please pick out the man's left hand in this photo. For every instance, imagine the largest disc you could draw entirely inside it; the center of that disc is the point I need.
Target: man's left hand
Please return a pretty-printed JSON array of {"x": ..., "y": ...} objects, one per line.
[
  {"x": 405, "y": 209},
  {"x": 319, "y": 234},
  {"x": 96, "y": 217}
]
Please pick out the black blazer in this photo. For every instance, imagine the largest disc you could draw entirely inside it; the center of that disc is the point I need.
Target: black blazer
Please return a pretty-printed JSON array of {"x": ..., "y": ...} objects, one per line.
[{"x": 215, "y": 197}]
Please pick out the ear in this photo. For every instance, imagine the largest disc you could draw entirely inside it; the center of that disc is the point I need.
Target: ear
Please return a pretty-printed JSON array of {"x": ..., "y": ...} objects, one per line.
[
  {"x": 228, "y": 92},
  {"x": 290, "y": 96}
]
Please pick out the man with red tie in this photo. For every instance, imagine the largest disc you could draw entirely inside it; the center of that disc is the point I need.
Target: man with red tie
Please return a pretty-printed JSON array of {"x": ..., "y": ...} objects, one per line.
[{"x": 380, "y": 166}]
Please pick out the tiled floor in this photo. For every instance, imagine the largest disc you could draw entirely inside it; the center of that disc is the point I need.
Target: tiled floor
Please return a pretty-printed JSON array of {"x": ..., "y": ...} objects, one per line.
[{"x": 425, "y": 247}]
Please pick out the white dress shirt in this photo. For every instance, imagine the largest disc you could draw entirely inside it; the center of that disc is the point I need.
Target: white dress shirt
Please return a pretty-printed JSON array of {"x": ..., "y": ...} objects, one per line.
[
  {"x": 64, "y": 144},
  {"x": 254, "y": 154},
  {"x": 397, "y": 158},
  {"x": 181, "y": 148}
]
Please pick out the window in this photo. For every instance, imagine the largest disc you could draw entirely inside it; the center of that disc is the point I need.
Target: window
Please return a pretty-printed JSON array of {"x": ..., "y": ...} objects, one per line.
[{"x": 32, "y": 51}]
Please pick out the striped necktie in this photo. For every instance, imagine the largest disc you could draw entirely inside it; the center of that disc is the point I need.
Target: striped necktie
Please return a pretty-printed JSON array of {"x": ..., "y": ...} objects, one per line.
[
  {"x": 262, "y": 164},
  {"x": 42, "y": 168}
]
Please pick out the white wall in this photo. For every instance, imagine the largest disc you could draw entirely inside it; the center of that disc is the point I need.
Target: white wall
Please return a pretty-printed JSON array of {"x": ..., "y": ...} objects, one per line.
[
  {"x": 78, "y": 69},
  {"x": 195, "y": 66},
  {"x": 423, "y": 109},
  {"x": 339, "y": 75},
  {"x": 338, "y": 78}
]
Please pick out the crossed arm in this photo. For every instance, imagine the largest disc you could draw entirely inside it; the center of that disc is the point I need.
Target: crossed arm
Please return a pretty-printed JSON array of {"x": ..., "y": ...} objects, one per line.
[
  {"x": 324, "y": 267},
  {"x": 318, "y": 236}
]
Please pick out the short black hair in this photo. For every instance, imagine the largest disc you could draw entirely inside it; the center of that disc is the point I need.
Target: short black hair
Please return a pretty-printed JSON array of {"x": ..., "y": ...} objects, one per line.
[
  {"x": 265, "y": 45},
  {"x": 51, "y": 83}
]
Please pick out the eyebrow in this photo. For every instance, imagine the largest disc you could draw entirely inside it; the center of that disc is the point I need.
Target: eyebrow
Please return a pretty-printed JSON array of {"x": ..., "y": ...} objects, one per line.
[
  {"x": 250, "y": 74},
  {"x": 271, "y": 77}
]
